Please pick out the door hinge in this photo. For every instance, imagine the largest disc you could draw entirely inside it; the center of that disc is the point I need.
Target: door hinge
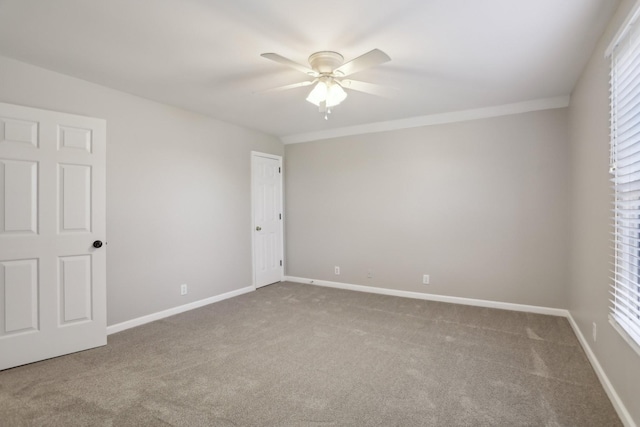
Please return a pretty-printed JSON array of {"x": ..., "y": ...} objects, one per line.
[
  {"x": 280, "y": 263},
  {"x": 279, "y": 170},
  {"x": 280, "y": 216}
]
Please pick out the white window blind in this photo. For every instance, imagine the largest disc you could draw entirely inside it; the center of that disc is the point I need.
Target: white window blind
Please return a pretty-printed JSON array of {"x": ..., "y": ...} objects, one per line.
[{"x": 625, "y": 171}]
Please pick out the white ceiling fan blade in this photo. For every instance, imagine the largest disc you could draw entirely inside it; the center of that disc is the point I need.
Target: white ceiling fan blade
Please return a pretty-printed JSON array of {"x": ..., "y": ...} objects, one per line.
[
  {"x": 287, "y": 87},
  {"x": 368, "y": 60},
  {"x": 289, "y": 63},
  {"x": 365, "y": 87}
]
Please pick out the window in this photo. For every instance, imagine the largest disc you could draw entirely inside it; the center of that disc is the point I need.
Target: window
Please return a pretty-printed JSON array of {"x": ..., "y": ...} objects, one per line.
[{"x": 625, "y": 171}]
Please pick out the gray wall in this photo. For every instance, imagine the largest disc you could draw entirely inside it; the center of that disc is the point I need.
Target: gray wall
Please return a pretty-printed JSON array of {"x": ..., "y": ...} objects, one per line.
[
  {"x": 591, "y": 224},
  {"x": 178, "y": 191},
  {"x": 480, "y": 206}
]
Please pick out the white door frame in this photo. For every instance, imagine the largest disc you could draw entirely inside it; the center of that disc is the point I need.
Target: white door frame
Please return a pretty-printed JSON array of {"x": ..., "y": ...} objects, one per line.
[{"x": 253, "y": 225}]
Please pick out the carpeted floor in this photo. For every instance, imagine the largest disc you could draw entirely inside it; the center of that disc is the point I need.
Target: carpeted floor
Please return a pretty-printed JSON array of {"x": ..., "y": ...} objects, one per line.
[{"x": 299, "y": 355}]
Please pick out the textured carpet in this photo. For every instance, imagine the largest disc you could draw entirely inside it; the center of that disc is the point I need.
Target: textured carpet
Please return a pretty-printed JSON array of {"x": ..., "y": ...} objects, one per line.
[{"x": 299, "y": 355}]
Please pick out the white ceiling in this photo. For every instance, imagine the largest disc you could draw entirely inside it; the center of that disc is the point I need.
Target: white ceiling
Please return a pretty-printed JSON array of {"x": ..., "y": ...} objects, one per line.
[{"x": 204, "y": 55}]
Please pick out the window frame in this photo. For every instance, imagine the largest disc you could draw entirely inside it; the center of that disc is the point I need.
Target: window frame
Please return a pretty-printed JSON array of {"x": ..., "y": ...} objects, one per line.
[{"x": 624, "y": 53}]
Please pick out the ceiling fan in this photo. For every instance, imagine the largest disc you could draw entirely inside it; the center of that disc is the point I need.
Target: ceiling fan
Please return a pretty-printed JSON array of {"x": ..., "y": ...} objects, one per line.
[{"x": 328, "y": 71}]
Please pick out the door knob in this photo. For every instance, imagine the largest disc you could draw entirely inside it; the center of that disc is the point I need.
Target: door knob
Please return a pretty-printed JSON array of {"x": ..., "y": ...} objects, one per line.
[
  {"x": 258, "y": 228},
  {"x": 97, "y": 244}
]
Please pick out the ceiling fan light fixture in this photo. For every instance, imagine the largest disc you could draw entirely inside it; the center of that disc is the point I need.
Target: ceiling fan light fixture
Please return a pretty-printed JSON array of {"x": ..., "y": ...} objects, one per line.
[
  {"x": 318, "y": 94},
  {"x": 328, "y": 69},
  {"x": 335, "y": 95},
  {"x": 327, "y": 94}
]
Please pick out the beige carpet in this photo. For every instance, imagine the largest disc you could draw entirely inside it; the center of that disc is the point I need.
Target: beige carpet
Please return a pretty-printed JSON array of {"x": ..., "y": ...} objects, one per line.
[{"x": 299, "y": 355}]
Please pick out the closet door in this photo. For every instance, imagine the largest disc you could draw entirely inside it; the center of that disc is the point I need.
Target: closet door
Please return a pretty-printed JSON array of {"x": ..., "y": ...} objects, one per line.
[{"x": 52, "y": 231}]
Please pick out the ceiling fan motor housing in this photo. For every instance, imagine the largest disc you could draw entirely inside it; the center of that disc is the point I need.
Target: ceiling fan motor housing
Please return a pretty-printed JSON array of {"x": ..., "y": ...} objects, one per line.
[{"x": 325, "y": 62}]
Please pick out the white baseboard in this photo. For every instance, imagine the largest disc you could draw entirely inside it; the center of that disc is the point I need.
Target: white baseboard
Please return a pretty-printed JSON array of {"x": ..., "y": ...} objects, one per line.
[
  {"x": 432, "y": 297},
  {"x": 119, "y": 327},
  {"x": 624, "y": 415}
]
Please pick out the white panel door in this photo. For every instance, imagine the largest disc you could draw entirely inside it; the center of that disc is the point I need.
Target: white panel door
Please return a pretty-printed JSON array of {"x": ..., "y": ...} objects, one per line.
[
  {"x": 266, "y": 172},
  {"x": 52, "y": 210}
]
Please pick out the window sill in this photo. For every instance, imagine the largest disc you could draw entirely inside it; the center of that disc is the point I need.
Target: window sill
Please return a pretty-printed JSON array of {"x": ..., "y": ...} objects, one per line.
[{"x": 624, "y": 335}]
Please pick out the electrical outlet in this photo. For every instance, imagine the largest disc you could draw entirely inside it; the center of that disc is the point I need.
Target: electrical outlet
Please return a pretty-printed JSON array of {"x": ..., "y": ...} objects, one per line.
[
  {"x": 183, "y": 289},
  {"x": 595, "y": 331},
  {"x": 369, "y": 274},
  {"x": 336, "y": 269},
  {"x": 425, "y": 279}
]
